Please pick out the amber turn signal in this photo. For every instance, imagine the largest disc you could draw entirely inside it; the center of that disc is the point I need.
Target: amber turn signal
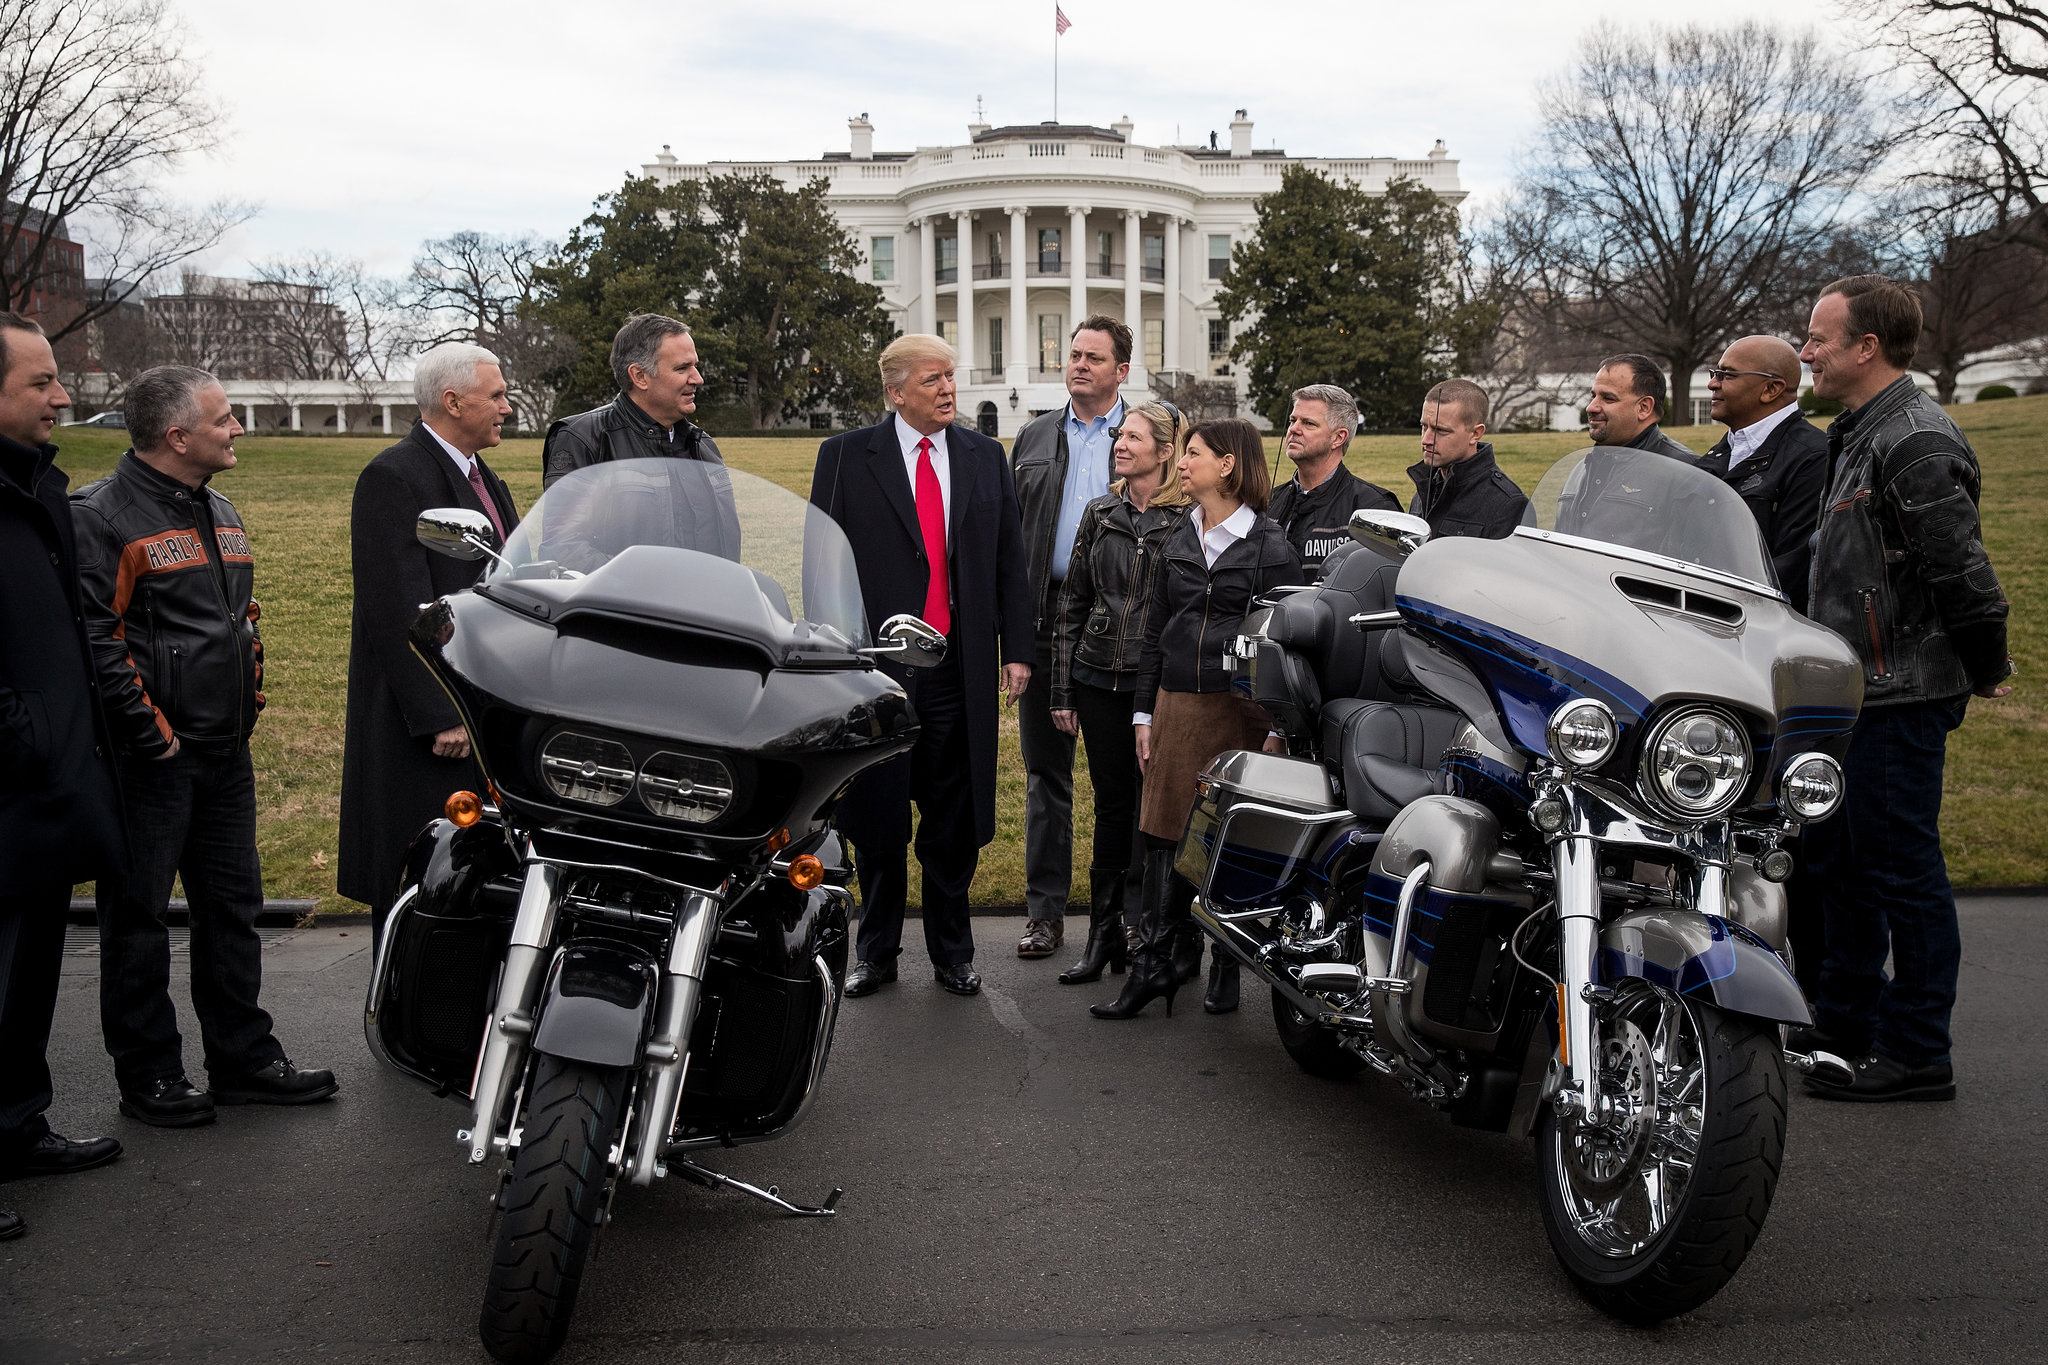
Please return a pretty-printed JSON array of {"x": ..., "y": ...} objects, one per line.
[
  {"x": 778, "y": 841},
  {"x": 1564, "y": 1034},
  {"x": 806, "y": 873},
  {"x": 464, "y": 809}
]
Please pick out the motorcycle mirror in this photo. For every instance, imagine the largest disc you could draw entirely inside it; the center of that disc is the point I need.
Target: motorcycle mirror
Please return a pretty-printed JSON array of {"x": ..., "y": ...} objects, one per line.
[
  {"x": 1397, "y": 532},
  {"x": 456, "y": 532},
  {"x": 910, "y": 642}
]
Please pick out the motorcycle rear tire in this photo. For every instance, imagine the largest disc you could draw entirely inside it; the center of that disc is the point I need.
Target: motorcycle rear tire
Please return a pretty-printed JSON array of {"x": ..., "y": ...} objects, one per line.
[
  {"x": 1721, "y": 1212},
  {"x": 1313, "y": 1046},
  {"x": 551, "y": 1209}
]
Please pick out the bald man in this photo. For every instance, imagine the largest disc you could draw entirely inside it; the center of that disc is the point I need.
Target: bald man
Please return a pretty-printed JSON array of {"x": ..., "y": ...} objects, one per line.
[{"x": 1772, "y": 456}]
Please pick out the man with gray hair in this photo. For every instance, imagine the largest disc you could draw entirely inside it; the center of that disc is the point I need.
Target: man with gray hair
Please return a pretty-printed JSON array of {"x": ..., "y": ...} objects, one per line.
[
  {"x": 405, "y": 748},
  {"x": 166, "y": 576},
  {"x": 1315, "y": 506},
  {"x": 654, "y": 361}
]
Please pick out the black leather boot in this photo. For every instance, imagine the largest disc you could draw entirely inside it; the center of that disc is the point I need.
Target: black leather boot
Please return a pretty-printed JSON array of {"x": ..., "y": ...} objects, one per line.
[
  {"x": 1151, "y": 973},
  {"x": 1221, "y": 997},
  {"x": 1187, "y": 942},
  {"x": 1105, "y": 928}
]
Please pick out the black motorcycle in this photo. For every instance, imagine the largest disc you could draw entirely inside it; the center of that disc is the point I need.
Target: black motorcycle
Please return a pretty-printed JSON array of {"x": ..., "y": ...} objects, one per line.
[{"x": 631, "y": 945}]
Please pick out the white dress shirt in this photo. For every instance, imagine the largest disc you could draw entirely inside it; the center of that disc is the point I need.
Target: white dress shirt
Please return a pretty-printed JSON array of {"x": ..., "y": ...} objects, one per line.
[
  {"x": 1743, "y": 443},
  {"x": 1215, "y": 541},
  {"x": 942, "y": 465},
  {"x": 463, "y": 463}
]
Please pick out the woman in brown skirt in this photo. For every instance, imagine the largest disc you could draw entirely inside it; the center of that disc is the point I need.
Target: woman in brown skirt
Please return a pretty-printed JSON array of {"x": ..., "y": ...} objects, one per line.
[{"x": 1217, "y": 563}]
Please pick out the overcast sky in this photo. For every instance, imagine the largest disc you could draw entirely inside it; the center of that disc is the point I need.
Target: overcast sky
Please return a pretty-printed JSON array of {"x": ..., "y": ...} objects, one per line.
[{"x": 364, "y": 130}]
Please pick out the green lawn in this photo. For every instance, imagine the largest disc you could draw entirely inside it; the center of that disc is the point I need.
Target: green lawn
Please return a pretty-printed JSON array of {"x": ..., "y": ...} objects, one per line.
[{"x": 294, "y": 493}]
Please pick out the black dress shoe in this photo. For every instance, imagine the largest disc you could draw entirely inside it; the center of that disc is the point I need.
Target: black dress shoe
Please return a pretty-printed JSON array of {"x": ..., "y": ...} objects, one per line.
[
  {"x": 11, "y": 1226},
  {"x": 171, "y": 1102},
  {"x": 1880, "y": 1079},
  {"x": 958, "y": 977},
  {"x": 279, "y": 1083},
  {"x": 55, "y": 1155},
  {"x": 867, "y": 977}
]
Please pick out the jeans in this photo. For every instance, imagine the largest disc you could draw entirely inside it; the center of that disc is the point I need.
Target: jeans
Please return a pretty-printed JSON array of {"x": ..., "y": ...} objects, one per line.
[
  {"x": 1113, "y": 773},
  {"x": 31, "y": 960},
  {"x": 1884, "y": 888},
  {"x": 1048, "y": 795},
  {"x": 193, "y": 815}
]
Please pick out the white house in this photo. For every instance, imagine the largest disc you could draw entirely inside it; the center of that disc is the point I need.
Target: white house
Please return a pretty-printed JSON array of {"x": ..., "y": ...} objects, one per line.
[{"x": 1003, "y": 242}]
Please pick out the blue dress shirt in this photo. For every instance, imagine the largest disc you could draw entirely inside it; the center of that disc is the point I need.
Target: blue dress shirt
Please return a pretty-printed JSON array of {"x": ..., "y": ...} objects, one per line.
[{"x": 1089, "y": 470}]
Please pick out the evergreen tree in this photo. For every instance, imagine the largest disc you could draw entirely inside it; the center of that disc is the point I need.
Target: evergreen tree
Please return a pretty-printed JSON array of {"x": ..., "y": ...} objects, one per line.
[{"x": 1350, "y": 288}]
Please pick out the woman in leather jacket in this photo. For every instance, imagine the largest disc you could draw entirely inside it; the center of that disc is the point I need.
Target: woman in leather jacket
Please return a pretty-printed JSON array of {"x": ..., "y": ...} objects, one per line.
[
  {"x": 1219, "y": 560},
  {"x": 1098, "y": 634}
]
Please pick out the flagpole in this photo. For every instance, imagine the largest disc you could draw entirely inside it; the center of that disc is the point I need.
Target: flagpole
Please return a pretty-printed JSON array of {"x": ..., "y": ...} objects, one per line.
[{"x": 1055, "y": 61}]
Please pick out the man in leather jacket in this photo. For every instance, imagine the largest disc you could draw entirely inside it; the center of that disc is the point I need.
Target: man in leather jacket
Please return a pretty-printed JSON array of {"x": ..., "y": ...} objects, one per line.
[
  {"x": 1900, "y": 572},
  {"x": 1459, "y": 490},
  {"x": 167, "y": 574},
  {"x": 1622, "y": 410},
  {"x": 1314, "y": 507},
  {"x": 654, "y": 360}
]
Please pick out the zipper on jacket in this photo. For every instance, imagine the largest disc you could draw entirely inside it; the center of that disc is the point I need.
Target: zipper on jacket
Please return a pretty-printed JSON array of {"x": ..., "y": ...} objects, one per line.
[{"x": 1876, "y": 637}]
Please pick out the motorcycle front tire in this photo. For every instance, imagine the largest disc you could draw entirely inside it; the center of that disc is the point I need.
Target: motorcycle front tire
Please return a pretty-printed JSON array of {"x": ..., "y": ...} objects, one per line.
[
  {"x": 550, "y": 1209},
  {"x": 1721, "y": 1212}
]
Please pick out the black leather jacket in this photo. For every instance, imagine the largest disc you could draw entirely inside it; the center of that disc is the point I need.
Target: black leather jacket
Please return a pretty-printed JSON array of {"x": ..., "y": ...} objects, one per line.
[
  {"x": 1315, "y": 523},
  {"x": 1197, "y": 611},
  {"x": 1899, "y": 568},
  {"x": 166, "y": 573},
  {"x": 1107, "y": 596},
  {"x": 1471, "y": 498},
  {"x": 619, "y": 431}
]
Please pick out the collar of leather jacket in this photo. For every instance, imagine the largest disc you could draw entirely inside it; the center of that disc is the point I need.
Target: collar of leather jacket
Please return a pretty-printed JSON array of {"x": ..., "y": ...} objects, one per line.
[
  {"x": 134, "y": 469},
  {"x": 626, "y": 413},
  {"x": 1477, "y": 465}
]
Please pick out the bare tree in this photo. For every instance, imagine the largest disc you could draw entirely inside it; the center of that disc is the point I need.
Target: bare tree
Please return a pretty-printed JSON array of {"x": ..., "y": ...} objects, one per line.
[
  {"x": 474, "y": 286},
  {"x": 1681, "y": 181},
  {"x": 1977, "y": 294},
  {"x": 97, "y": 101},
  {"x": 1978, "y": 111}
]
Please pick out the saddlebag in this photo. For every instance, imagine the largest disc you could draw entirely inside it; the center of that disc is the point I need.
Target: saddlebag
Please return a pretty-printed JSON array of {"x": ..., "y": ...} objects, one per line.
[{"x": 1257, "y": 818}]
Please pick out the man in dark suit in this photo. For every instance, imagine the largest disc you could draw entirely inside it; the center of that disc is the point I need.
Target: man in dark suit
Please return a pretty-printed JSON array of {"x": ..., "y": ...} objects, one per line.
[
  {"x": 1774, "y": 458},
  {"x": 914, "y": 492},
  {"x": 405, "y": 749}
]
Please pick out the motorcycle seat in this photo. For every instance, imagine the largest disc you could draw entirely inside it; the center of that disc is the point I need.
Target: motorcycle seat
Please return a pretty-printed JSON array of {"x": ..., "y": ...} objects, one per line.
[{"x": 1387, "y": 752}]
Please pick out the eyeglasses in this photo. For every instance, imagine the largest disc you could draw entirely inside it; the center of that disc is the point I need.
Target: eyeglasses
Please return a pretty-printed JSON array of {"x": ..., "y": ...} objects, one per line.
[
  {"x": 1171, "y": 411},
  {"x": 1725, "y": 375}
]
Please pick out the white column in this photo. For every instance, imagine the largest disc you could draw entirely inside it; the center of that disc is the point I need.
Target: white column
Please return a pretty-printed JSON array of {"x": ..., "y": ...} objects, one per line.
[
  {"x": 928, "y": 267},
  {"x": 248, "y": 417},
  {"x": 1077, "y": 272},
  {"x": 1172, "y": 299},
  {"x": 1134, "y": 298},
  {"x": 295, "y": 418},
  {"x": 1015, "y": 362},
  {"x": 387, "y": 419},
  {"x": 341, "y": 419},
  {"x": 963, "y": 270}
]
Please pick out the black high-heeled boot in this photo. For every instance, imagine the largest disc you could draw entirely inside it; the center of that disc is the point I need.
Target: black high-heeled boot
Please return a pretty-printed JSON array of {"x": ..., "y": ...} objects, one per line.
[
  {"x": 1188, "y": 939},
  {"x": 1105, "y": 928},
  {"x": 1221, "y": 997},
  {"x": 1151, "y": 973}
]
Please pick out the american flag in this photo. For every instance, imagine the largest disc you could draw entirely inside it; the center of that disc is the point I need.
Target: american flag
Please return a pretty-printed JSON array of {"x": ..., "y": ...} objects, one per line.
[{"x": 1060, "y": 22}]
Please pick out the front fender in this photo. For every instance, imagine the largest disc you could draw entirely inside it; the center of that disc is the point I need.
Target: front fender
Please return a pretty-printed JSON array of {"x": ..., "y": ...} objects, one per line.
[
  {"x": 597, "y": 1006},
  {"x": 1705, "y": 957}
]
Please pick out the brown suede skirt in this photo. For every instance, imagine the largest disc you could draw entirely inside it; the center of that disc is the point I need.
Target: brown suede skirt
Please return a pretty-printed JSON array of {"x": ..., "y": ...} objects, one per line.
[{"x": 1188, "y": 730}]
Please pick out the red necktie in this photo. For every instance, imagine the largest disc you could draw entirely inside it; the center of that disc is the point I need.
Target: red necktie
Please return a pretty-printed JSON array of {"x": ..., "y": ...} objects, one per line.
[
  {"x": 931, "y": 519},
  {"x": 476, "y": 481}
]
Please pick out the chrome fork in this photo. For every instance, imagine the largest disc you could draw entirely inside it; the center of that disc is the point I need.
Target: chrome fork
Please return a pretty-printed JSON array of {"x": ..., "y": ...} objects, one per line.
[
  {"x": 1575, "y": 865},
  {"x": 499, "y": 1064},
  {"x": 668, "y": 1052}
]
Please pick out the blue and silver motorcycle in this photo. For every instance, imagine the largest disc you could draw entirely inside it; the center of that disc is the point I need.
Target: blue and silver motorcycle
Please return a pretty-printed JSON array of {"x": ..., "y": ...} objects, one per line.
[{"x": 1526, "y": 852}]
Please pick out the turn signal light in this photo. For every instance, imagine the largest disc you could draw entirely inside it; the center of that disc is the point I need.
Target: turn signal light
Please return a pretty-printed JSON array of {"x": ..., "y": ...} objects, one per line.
[
  {"x": 464, "y": 809},
  {"x": 778, "y": 841},
  {"x": 806, "y": 873},
  {"x": 1564, "y": 1034}
]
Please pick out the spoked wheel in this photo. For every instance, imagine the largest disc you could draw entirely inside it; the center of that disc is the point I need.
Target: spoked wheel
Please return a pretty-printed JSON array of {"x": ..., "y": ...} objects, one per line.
[
  {"x": 1652, "y": 1207},
  {"x": 551, "y": 1208},
  {"x": 1313, "y": 1046}
]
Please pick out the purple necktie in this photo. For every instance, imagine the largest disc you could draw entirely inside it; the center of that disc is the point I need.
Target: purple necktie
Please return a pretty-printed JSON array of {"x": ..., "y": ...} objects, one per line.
[{"x": 476, "y": 481}]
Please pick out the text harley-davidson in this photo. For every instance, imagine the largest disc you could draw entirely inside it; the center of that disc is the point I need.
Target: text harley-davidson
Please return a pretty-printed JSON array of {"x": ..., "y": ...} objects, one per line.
[
  {"x": 1525, "y": 854},
  {"x": 634, "y": 948}
]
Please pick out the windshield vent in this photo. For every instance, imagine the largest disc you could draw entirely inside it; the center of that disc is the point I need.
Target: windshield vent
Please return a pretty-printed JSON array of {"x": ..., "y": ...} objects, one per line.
[
  {"x": 1684, "y": 601},
  {"x": 670, "y": 644}
]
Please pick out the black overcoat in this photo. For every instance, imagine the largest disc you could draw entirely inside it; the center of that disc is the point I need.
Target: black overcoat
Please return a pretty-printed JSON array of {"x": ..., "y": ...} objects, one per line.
[
  {"x": 60, "y": 812},
  {"x": 860, "y": 482},
  {"x": 391, "y": 782}
]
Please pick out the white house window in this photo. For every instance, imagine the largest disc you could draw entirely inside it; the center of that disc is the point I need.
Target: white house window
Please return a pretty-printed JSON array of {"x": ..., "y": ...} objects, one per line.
[
  {"x": 1219, "y": 339},
  {"x": 949, "y": 259},
  {"x": 1219, "y": 254},
  {"x": 995, "y": 255},
  {"x": 995, "y": 343},
  {"x": 1052, "y": 336},
  {"x": 949, "y": 332},
  {"x": 1155, "y": 344},
  {"x": 1155, "y": 258},
  {"x": 1105, "y": 252},
  {"x": 882, "y": 252},
  {"x": 1048, "y": 248}
]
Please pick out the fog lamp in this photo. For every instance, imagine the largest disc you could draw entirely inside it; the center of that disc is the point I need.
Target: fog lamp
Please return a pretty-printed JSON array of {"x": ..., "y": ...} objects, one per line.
[
  {"x": 1582, "y": 734},
  {"x": 1775, "y": 865},
  {"x": 1811, "y": 787}
]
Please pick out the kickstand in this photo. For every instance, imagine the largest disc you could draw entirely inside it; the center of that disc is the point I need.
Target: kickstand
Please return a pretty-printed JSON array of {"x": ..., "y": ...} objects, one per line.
[{"x": 711, "y": 1180}]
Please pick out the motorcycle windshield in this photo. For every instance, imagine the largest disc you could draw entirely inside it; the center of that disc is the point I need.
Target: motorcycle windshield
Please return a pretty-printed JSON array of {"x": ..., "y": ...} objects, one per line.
[
  {"x": 1645, "y": 503},
  {"x": 647, "y": 532}
]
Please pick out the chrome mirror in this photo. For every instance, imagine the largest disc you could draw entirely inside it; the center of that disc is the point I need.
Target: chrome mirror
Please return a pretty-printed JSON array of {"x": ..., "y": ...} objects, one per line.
[
  {"x": 910, "y": 642},
  {"x": 457, "y": 532},
  {"x": 1400, "y": 533}
]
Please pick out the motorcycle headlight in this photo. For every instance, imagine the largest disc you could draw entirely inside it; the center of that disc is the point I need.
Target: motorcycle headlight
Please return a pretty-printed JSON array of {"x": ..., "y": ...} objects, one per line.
[
  {"x": 686, "y": 787},
  {"x": 581, "y": 767},
  {"x": 1582, "y": 734},
  {"x": 1811, "y": 787},
  {"x": 1695, "y": 763}
]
